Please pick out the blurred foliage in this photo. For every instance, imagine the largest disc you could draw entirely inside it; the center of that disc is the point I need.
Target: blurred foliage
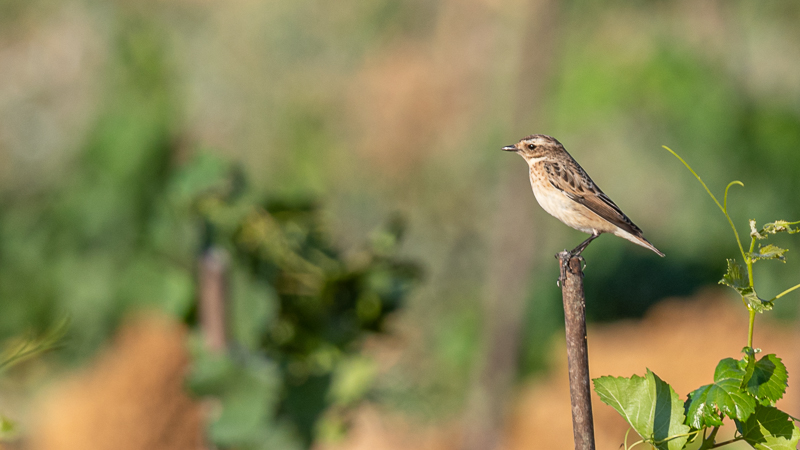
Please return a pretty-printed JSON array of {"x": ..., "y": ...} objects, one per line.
[
  {"x": 22, "y": 348},
  {"x": 290, "y": 90},
  {"x": 125, "y": 227},
  {"x": 107, "y": 238},
  {"x": 300, "y": 309}
]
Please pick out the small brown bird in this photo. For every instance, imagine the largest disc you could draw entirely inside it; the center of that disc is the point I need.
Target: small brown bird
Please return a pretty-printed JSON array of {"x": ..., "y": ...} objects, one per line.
[{"x": 564, "y": 190}]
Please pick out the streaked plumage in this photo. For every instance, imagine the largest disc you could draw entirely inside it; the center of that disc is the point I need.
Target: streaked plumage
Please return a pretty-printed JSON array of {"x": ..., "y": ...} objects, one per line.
[{"x": 566, "y": 191}]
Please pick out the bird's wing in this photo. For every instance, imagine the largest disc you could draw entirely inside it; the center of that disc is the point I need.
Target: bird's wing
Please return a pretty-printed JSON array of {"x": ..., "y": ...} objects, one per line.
[{"x": 572, "y": 180}]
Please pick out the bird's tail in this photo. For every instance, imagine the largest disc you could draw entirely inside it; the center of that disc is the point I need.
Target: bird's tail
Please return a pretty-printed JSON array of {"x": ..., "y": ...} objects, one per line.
[{"x": 638, "y": 240}]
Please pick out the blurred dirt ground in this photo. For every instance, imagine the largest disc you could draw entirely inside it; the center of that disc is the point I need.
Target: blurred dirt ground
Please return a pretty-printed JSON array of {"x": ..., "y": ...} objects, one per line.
[{"x": 132, "y": 397}]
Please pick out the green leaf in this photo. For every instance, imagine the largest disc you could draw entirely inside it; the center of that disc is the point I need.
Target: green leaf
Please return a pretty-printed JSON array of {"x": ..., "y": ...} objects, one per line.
[
  {"x": 725, "y": 396},
  {"x": 756, "y": 302},
  {"x": 247, "y": 389},
  {"x": 649, "y": 405},
  {"x": 777, "y": 227},
  {"x": 767, "y": 380},
  {"x": 769, "y": 429},
  {"x": 748, "y": 364},
  {"x": 754, "y": 232},
  {"x": 768, "y": 252},
  {"x": 735, "y": 277}
]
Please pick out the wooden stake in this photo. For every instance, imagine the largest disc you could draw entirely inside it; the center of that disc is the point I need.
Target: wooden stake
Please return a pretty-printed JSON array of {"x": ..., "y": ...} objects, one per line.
[{"x": 571, "y": 282}]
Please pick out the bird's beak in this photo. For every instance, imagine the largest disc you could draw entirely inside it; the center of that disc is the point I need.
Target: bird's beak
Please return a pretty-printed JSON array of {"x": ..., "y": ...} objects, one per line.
[{"x": 510, "y": 148}]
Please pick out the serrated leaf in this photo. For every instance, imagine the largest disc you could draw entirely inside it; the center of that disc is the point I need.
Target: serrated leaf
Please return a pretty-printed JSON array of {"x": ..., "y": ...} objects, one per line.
[
  {"x": 767, "y": 380},
  {"x": 629, "y": 396},
  {"x": 735, "y": 277},
  {"x": 668, "y": 418},
  {"x": 757, "y": 303},
  {"x": 769, "y": 429},
  {"x": 725, "y": 395},
  {"x": 700, "y": 412},
  {"x": 649, "y": 405},
  {"x": 748, "y": 364},
  {"x": 779, "y": 226},
  {"x": 754, "y": 232},
  {"x": 768, "y": 252}
]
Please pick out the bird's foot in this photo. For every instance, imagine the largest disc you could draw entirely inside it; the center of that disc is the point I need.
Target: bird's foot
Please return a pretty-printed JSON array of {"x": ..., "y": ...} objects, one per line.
[
  {"x": 576, "y": 255},
  {"x": 564, "y": 256}
]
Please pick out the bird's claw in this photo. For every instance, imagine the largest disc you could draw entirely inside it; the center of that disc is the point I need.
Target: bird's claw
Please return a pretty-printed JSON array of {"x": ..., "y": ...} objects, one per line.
[{"x": 578, "y": 256}]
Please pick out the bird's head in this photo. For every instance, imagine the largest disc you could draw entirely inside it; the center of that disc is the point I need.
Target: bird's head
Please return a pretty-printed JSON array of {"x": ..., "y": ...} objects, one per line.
[{"x": 535, "y": 147}]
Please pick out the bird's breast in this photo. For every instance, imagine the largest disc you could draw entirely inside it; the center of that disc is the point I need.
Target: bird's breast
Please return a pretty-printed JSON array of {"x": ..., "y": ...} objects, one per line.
[{"x": 565, "y": 209}]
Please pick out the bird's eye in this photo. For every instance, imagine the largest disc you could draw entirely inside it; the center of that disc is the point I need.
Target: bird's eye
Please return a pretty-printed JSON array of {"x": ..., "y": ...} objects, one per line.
[{"x": 531, "y": 146}]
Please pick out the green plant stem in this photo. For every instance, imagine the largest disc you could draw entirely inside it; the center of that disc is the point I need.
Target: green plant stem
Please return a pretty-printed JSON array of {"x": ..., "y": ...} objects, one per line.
[
  {"x": 750, "y": 310},
  {"x": 635, "y": 444},
  {"x": 676, "y": 436},
  {"x": 727, "y": 442},
  {"x": 786, "y": 292},
  {"x": 708, "y": 442},
  {"x": 730, "y": 221},
  {"x": 723, "y": 209},
  {"x": 31, "y": 346},
  {"x": 749, "y": 263}
]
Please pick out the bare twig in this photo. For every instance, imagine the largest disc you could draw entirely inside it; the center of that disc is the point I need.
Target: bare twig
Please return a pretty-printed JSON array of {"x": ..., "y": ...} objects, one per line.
[{"x": 571, "y": 281}]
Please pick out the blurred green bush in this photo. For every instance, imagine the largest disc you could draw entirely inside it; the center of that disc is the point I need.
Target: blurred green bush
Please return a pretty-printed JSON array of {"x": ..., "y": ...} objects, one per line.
[
  {"x": 125, "y": 229},
  {"x": 300, "y": 309}
]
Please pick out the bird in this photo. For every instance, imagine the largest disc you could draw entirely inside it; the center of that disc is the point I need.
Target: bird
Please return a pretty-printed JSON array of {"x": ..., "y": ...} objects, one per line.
[{"x": 566, "y": 192}]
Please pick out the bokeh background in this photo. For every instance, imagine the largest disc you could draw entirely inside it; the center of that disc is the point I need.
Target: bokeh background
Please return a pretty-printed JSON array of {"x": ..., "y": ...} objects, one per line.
[{"x": 389, "y": 280}]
